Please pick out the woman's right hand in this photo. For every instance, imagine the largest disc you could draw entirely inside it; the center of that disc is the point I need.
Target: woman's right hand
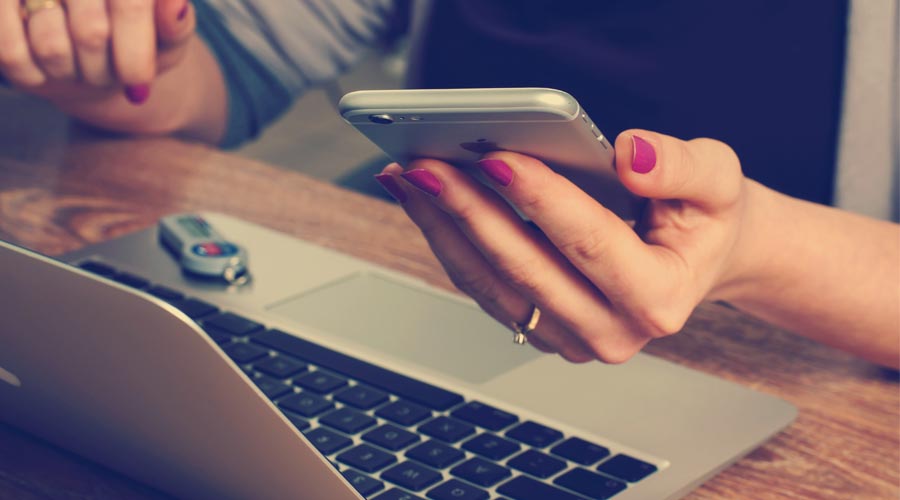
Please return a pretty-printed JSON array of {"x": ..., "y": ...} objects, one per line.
[{"x": 91, "y": 49}]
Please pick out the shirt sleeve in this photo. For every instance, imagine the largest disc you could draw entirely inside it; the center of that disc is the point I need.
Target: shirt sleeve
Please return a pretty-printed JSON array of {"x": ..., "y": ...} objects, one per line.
[{"x": 270, "y": 52}]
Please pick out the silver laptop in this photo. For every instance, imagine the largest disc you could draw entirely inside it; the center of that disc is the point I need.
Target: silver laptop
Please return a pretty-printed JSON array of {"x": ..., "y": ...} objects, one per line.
[{"x": 327, "y": 377}]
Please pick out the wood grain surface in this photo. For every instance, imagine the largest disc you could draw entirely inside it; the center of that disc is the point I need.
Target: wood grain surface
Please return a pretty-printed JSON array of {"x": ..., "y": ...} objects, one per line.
[{"x": 845, "y": 443}]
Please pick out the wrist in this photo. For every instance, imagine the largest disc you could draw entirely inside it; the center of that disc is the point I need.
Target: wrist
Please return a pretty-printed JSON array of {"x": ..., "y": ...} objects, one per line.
[{"x": 750, "y": 269}]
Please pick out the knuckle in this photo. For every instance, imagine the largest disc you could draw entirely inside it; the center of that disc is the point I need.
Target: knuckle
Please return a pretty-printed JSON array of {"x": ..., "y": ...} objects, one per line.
[
  {"x": 52, "y": 49},
  {"x": 585, "y": 246},
  {"x": 728, "y": 165},
  {"x": 608, "y": 354},
  {"x": 92, "y": 35},
  {"x": 482, "y": 288},
  {"x": 522, "y": 274},
  {"x": 719, "y": 148},
  {"x": 576, "y": 356},
  {"x": 615, "y": 356},
  {"x": 530, "y": 202},
  {"x": 661, "y": 322},
  {"x": 464, "y": 213}
]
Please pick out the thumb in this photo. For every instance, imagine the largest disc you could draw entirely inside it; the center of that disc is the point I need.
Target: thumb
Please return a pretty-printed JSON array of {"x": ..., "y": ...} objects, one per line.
[
  {"x": 703, "y": 172},
  {"x": 175, "y": 22}
]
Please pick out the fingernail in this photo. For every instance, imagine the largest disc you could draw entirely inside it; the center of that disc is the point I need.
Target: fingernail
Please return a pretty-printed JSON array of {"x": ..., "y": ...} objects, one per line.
[
  {"x": 390, "y": 185},
  {"x": 643, "y": 158},
  {"x": 137, "y": 94},
  {"x": 424, "y": 180},
  {"x": 183, "y": 12},
  {"x": 497, "y": 170}
]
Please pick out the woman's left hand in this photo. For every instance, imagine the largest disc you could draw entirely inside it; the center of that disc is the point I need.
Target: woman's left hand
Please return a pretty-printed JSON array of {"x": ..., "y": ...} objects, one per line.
[{"x": 605, "y": 289}]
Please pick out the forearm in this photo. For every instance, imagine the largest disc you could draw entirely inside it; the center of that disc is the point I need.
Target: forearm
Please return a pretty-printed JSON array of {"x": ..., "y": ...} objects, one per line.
[
  {"x": 188, "y": 100},
  {"x": 823, "y": 273}
]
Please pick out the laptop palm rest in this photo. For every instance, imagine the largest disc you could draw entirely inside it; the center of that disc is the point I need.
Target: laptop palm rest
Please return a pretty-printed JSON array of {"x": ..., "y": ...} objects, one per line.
[{"x": 424, "y": 328}]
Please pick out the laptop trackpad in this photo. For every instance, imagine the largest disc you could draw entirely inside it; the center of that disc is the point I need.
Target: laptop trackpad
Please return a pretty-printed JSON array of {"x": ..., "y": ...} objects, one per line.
[{"x": 412, "y": 323}]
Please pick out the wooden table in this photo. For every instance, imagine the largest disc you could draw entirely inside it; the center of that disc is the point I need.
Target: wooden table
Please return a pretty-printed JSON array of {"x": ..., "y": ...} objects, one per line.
[{"x": 55, "y": 199}]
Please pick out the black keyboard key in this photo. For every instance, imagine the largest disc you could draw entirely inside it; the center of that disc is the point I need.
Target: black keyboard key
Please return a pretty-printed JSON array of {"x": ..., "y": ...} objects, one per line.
[
  {"x": 232, "y": 323},
  {"x": 397, "y": 494},
  {"x": 401, "y": 385},
  {"x": 243, "y": 353},
  {"x": 447, "y": 429},
  {"x": 98, "y": 268},
  {"x": 300, "y": 423},
  {"x": 164, "y": 293},
  {"x": 485, "y": 416},
  {"x": 364, "y": 484},
  {"x": 590, "y": 484},
  {"x": 435, "y": 454},
  {"x": 281, "y": 367},
  {"x": 534, "y": 434},
  {"x": 220, "y": 338},
  {"x": 132, "y": 280},
  {"x": 404, "y": 412},
  {"x": 195, "y": 308},
  {"x": 536, "y": 463},
  {"x": 412, "y": 476},
  {"x": 326, "y": 441},
  {"x": 457, "y": 490},
  {"x": 491, "y": 446},
  {"x": 390, "y": 437},
  {"x": 362, "y": 397},
  {"x": 272, "y": 388},
  {"x": 627, "y": 468},
  {"x": 348, "y": 420},
  {"x": 525, "y": 488},
  {"x": 321, "y": 382},
  {"x": 481, "y": 472},
  {"x": 366, "y": 458},
  {"x": 305, "y": 403},
  {"x": 580, "y": 451}
]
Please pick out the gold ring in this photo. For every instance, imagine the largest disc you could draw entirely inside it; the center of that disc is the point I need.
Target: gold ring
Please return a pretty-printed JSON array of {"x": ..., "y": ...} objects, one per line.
[
  {"x": 521, "y": 330},
  {"x": 30, "y": 7}
]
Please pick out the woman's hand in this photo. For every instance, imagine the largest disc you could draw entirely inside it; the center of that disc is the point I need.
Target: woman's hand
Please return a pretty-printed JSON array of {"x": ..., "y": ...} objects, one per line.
[
  {"x": 89, "y": 49},
  {"x": 605, "y": 289}
]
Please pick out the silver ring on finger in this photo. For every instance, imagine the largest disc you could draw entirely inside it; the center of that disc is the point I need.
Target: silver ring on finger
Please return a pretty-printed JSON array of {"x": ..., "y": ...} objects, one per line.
[{"x": 521, "y": 330}]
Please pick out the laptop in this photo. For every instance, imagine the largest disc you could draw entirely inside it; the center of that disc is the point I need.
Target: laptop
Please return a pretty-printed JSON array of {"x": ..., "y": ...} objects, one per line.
[{"x": 328, "y": 377}]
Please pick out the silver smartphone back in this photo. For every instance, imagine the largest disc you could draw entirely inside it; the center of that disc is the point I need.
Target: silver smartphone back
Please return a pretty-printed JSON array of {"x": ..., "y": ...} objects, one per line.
[{"x": 461, "y": 125}]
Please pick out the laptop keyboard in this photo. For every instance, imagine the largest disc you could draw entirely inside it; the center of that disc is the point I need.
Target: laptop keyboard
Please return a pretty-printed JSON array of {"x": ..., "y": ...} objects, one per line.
[{"x": 397, "y": 438}]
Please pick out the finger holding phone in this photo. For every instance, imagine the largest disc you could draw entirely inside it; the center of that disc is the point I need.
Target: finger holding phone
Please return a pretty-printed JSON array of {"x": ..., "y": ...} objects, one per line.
[
  {"x": 91, "y": 48},
  {"x": 604, "y": 288}
]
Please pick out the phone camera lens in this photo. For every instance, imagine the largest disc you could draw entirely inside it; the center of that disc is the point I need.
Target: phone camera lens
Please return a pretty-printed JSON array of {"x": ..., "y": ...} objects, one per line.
[{"x": 381, "y": 119}]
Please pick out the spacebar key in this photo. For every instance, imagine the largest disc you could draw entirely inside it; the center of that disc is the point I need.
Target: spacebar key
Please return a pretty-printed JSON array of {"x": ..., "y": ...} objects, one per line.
[
  {"x": 525, "y": 488},
  {"x": 401, "y": 385}
]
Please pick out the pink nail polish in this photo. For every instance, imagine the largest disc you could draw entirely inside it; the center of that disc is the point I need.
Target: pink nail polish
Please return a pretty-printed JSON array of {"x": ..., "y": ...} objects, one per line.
[
  {"x": 183, "y": 12},
  {"x": 424, "y": 180},
  {"x": 137, "y": 94},
  {"x": 643, "y": 158},
  {"x": 497, "y": 170},
  {"x": 391, "y": 185}
]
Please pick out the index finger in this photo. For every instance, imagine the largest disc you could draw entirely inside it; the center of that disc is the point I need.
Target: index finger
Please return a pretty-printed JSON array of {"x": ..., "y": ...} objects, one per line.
[{"x": 133, "y": 41}]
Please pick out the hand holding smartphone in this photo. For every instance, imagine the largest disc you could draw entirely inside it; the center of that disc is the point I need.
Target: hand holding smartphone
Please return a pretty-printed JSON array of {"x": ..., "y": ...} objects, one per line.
[{"x": 460, "y": 125}]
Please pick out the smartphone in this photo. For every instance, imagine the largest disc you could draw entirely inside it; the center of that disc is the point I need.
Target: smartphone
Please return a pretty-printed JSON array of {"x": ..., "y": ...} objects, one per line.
[{"x": 460, "y": 125}]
